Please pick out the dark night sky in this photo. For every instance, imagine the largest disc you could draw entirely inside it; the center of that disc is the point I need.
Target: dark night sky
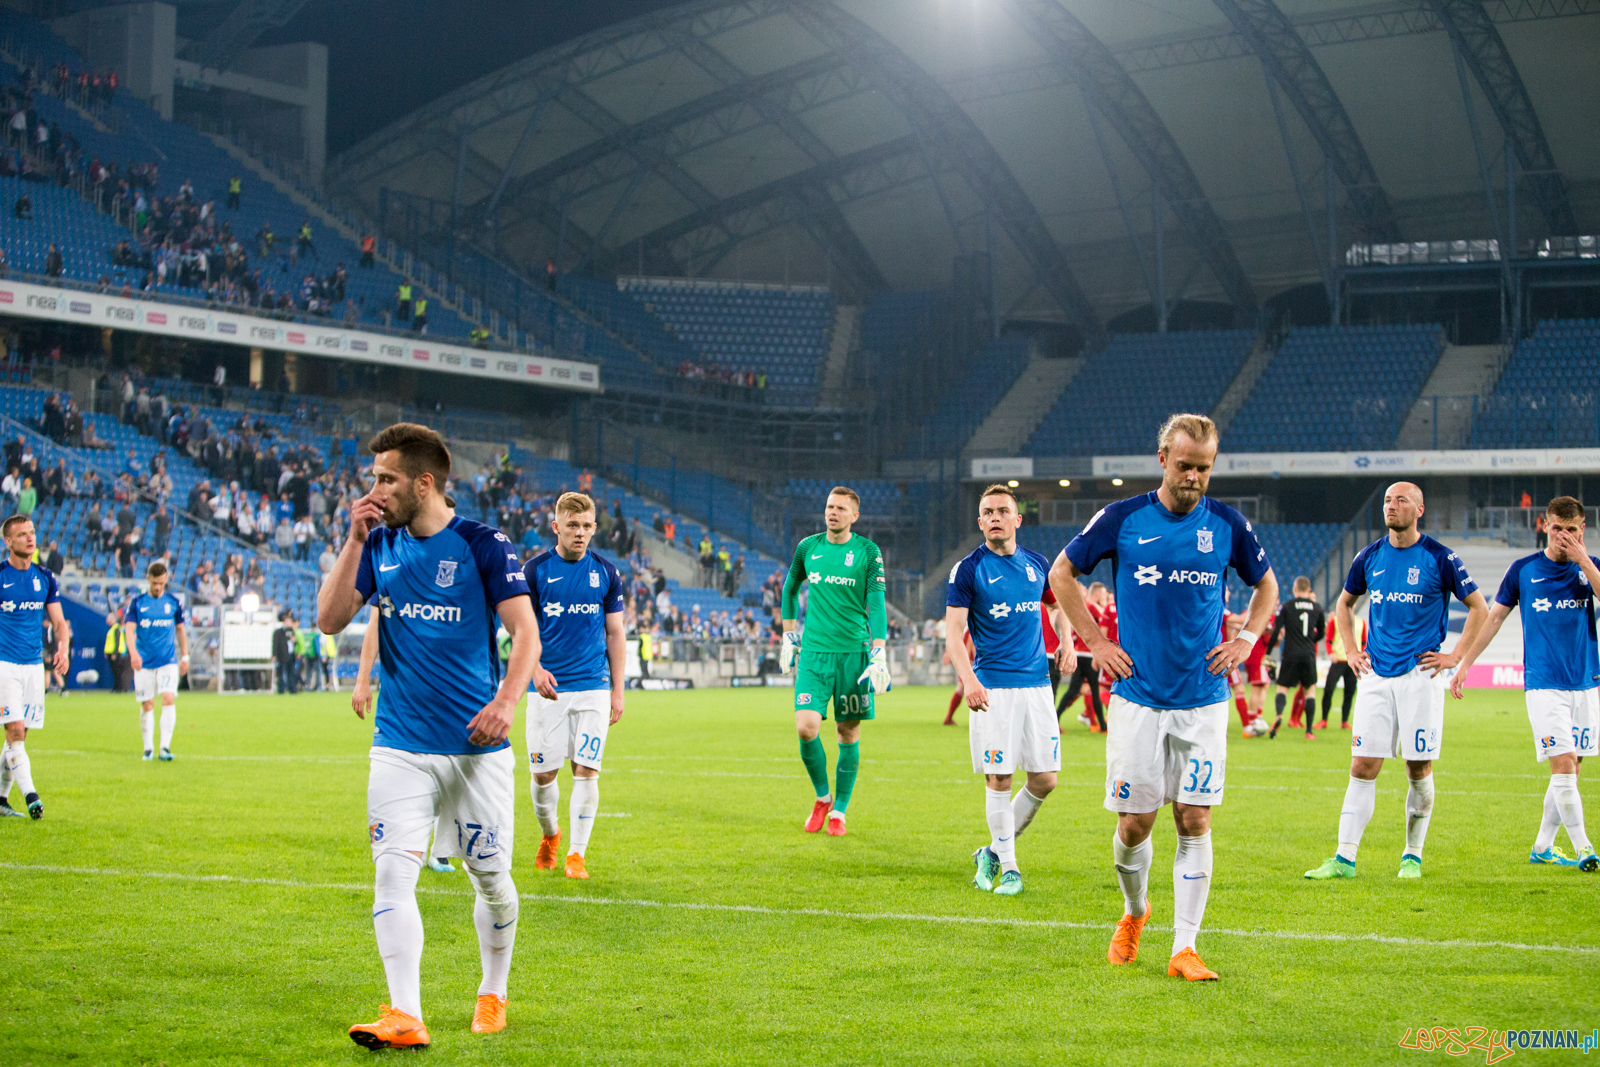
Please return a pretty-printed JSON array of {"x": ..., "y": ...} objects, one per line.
[{"x": 389, "y": 57}]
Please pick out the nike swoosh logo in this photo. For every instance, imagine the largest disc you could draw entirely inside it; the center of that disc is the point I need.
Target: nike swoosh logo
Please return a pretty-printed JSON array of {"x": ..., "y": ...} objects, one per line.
[
  {"x": 378, "y": 913},
  {"x": 1002, "y": 840},
  {"x": 8, "y": 585},
  {"x": 1147, "y": 540},
  {"x": 996, "y": 578},
  {"x": 549, "y": 580},
  {"x": 1536, "y": 581},
  {"x": 1194, "y": 877},
  {"x": 817, "y": 556},
  {"x": 502, "y": 926},
  {"x": 390, "y": 567},
  {"x": 1376, "y": 573},
  {"x": 586, "y": 816}
]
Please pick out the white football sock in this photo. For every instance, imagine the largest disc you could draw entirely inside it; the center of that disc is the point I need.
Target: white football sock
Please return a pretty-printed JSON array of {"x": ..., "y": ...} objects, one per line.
[
  {"x": 495, "y": 916},
  {"x": 1360, "y": 798},
  {"x": 169, "y": 720},
  {"x": 1570, "y": 803},
  {"x": 397, "y": 922},
  {"x": 1191, "y": 884},
  {"x": 1419, "y": 811},
  {"x": 546, "y": 800},
  {"x": 5, "y": 775},
  {"x": 1133, "y": 872},
  {"x": 21, "y": 770},
  {"x": 585, "y": 802},
  {"x": 1002, "y": 827},
  {"x": 147, "y": 729},
  {"x": 1024, "y": 806},
  {"x": 1550, "y": 823}
]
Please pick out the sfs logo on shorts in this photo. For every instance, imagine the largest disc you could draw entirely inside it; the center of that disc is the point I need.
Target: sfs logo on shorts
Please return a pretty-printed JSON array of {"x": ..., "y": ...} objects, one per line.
[
  {"x": 375, "y": 831},
  {"x": 1119, "y": 790}
]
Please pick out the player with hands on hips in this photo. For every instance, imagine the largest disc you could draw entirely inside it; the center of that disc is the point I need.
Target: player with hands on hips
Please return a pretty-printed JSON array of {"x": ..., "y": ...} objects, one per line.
[
  {"x": 1408, "y": 578},
  {"x": 578, "y": 688},
  {"x": 1555, "y": 590},
  {"x": 158, "y": 652},
  {"x": 439, "y": 752},
  {"x": 995, "y": 594}
]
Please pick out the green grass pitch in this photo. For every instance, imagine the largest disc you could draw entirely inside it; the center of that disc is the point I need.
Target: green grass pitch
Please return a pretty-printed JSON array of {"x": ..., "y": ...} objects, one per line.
[{"x": 216, "y": 909}]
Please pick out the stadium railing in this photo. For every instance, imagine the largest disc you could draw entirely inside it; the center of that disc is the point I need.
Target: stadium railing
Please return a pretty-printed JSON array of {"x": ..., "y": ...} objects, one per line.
[{"x": 1514, "y": 525}]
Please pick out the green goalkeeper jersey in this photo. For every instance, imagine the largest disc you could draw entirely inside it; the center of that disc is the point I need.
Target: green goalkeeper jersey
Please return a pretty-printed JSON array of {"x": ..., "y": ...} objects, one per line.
[{"x": 845, "y": 609}]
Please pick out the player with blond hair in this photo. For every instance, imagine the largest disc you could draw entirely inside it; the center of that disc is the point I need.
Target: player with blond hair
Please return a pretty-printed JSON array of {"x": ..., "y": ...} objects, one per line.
[{"x": 1167, "y": 722}]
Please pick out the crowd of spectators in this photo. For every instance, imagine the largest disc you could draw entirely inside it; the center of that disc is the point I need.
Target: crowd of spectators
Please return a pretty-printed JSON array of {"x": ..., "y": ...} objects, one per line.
[
  {"x": 716, "y": 372},
  {"x": 41, "y": 151}
]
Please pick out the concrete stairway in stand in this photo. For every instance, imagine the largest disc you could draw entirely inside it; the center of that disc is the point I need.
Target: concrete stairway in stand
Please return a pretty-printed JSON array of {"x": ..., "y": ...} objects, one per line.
[
  {"x": 1013, "y": 420},
  {"x": 1462, "y": 373}
]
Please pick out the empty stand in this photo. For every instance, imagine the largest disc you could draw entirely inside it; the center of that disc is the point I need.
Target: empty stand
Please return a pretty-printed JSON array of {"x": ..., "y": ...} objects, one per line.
[{"x": 1547, "y": 395}]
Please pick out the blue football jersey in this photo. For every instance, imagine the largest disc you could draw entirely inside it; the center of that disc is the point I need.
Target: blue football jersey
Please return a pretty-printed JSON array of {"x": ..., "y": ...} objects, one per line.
[
  {"x": 157, "y": 619},
  {"x": 436, "y": 649},
  {"x": 1409, "y": 592},
  {"x": 1170, "y": 575},
  {"x": 573, "y": 600},
  {"x": 1002, "y": 595},
  {"x": 23, "y": 595},
  {"x": 1558, "y": 639}
]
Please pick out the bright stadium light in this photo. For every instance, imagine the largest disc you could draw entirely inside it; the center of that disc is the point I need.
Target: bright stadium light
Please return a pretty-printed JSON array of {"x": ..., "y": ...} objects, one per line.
[
  {"x": 1013, "y": 483},
  {"x": 1116, "y": 481},
  {"x": 1065, "y": 482},
  {"x": 249, "y": 603}
]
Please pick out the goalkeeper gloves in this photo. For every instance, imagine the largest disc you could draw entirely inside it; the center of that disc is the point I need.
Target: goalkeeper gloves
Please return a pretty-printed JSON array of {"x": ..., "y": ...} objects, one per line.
[
  {"x": 788, "y": 652},
  {"x": 877, "y": 672}
]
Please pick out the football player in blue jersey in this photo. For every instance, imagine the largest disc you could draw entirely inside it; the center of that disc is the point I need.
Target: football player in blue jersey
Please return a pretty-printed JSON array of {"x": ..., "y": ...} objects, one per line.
[
  {"x": 1561, "y": 671},
  {"x": 439, "y": 750},
  {"x": 158, "y": 651},
  {"x": 578, "y": 694},
  {"x": 995, "y": 595},
  {"x": 1167, "y": 723},
  {"x": 28, "y": 596},
  {"x": 1399, "y": 714}
]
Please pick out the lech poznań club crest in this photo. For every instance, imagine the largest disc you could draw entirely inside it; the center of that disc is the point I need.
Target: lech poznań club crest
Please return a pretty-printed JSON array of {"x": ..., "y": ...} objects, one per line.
[
  {"x": 447, "y": 573},
  {"x": 850, "y": 558},
  {"x": 1413, "y": 575},
  {"x": 1032, "y": 575},
  {"x": 594, "y": 579},
  {"x": 1203, "y": 537}
]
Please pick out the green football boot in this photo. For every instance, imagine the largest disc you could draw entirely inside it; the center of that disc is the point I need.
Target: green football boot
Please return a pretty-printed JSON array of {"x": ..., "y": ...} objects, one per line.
[
  {"x": 1010, "y": 884},
  {"x": 1335, "y": 867},
  {"x": 988, "y": 865},
  {"x": 1410, "y": 867}
]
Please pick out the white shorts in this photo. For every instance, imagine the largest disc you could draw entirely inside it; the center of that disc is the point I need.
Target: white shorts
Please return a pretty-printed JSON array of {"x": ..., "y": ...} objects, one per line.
[
  {"x": 571, "y": 727},
  {"x": 148, "y": 682},
  {"x": 22, "y": 694},
  {"x": 1400, "y": 717},
  {"x": 1018, "y": 730},
  {"x": 1157, "y": 755},
  {"x": 1564, "y": 722},
  {"x": 472, "y": 797}
]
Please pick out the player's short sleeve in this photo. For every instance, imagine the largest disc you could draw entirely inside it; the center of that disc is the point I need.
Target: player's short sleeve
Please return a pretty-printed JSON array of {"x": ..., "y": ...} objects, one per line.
[
  {"x": 177, "y": 612},
  {"x": 366, "y": 585},
  {"x": 612, "y": 602},
  {"x": 958, "y": 592},
  {"x": 130, "y": 611},
  {"x": 1095, "y": 541},
  {"x": 1510, "y": 586},
  {"x": 497, "y": 563},
  {"x": 52, "y": 588},
  {"x": 1454, "y": 575},
  {"x": 1247, "y": 558},
  {"x": 1355, "y": 583}
]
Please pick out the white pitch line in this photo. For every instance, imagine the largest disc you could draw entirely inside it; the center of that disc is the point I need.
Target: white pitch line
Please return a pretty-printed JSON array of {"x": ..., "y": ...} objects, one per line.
[{"x": 816, "y": 913}]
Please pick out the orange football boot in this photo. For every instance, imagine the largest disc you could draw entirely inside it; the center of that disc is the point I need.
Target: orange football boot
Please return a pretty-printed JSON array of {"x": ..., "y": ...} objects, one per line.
[
  {"x": 836, "y": 826},
  {"x": 819, "y": 815},
  {"x": 549, "y": 851},
  {"x": 394, "y": 1029},
  {"x": 1125, "y": 942},
  {"x": 575, "y": 866},
  {"x": 1188, "y": 965},
  {"x": 490, "y": 1017}
]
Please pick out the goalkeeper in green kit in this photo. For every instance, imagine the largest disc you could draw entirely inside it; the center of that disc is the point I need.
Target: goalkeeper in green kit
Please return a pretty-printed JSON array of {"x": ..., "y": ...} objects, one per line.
[{"x": 843, "y": 659}]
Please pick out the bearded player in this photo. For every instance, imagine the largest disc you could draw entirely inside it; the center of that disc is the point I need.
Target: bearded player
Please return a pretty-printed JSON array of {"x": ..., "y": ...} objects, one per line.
[
  {"x": 439, "y": 751},
  {"x": 1167, "y": 737},
  {"x": 843, "y": 659}
]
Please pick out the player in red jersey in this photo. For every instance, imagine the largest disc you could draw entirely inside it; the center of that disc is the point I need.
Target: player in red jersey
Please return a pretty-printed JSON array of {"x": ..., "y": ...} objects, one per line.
[
  {"x": 1054, "y": 623},
  {"x": 1099, "y": 603},
  {"x": 1255, "y": 673},
  {"x": 1231, "y": 625}
]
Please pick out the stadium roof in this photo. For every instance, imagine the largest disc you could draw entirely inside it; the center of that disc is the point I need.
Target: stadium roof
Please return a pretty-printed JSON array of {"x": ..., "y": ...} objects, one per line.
[{"x": 867, "y": 142}]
